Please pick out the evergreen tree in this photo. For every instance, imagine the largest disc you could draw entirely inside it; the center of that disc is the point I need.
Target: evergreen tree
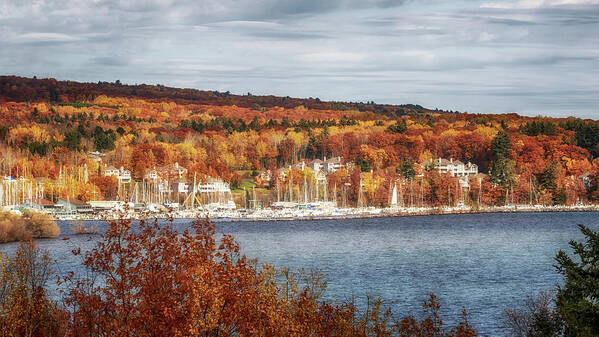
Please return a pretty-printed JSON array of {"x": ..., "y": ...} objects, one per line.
[
  {"x": 399, "y": 127},
  {"x": 104, "y": 140},
  {"x": 536, "y": 128},
  {"x": 363, "y": 164},
  {"x": 547, "y": 178},
  {"x": 546, "y": 323},
  {"x": 501, "y": 144},
  {"x": 548, "y": 181},
  {"x": 503, "y": 168},
  {"x": 255, "y": 124},
  {"x": 578, "y": 299},
  {"x": 587, "y": 136},
  {"x": 313, "y": 147},
  {"x": 406, "y": 169},
  {"x": 594, "y": 186},
  {"x": 72, "y": 140}
]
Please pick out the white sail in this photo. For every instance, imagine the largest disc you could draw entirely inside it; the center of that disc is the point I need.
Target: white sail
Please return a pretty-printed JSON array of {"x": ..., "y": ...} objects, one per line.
[{"x": 394, "y": 195}]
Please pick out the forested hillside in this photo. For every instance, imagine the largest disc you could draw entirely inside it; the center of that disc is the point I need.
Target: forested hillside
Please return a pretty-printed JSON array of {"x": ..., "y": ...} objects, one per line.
[
  {"x": 21, "y": 89},
  {"x": 48, "y": 129}
]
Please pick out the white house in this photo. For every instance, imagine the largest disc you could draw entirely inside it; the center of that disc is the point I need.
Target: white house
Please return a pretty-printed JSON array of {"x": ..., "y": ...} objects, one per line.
[
  {"x": 180, "y": 186},
  {"x": 315, "y": 165},
  {"x": 214, "y": 186},
  {"x": 328, "y": 166},
  {"x": 124, "y": 176},
  {"x": 216, "y": 193},
  {"x": 111, "y": 171},
  {"x": 454, "y": 167},
  {"x": 96, "y": 156},
  {"x": 332, "y": 165},
  {"x": 151, "y": 175}
]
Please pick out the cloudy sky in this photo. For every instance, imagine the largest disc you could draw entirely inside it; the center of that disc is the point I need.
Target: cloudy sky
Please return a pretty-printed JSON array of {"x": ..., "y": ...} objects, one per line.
[{"x": 527, "y": 56}]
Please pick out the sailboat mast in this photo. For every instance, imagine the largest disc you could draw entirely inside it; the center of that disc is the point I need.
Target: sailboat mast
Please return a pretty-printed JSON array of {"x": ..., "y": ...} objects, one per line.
[{"x": 305, "y": 191}]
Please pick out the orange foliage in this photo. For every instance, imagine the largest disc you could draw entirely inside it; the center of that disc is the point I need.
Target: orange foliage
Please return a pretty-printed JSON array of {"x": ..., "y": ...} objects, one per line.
[
  {"x": 157, "y": 282},
  {"x": 108, "y": 186},
  {"x": 26, "y": 309},
  {"x": 219, "y": 134}
]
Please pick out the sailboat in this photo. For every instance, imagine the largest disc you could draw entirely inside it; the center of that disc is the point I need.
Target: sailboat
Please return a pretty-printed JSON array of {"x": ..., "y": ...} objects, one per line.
[{"x": 394, "y": 196}]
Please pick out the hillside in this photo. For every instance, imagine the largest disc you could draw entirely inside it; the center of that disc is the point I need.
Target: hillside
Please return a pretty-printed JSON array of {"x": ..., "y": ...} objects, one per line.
[
  {"x": 22, "y": 89},
  {"x": 49, "y": 129}
]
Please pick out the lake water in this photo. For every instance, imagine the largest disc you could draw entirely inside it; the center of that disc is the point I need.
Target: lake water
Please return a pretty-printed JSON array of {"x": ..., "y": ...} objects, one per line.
[{"x": 482, "y": 262}]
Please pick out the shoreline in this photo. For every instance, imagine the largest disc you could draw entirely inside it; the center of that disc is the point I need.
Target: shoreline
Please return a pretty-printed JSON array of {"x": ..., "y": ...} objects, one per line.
[
  {"x": 413, "y": 214},
  {"x": 369, "y": 213}
]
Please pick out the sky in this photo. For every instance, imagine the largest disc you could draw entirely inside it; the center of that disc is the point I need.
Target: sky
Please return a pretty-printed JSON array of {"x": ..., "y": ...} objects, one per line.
[{"x": 534, "y": 57}]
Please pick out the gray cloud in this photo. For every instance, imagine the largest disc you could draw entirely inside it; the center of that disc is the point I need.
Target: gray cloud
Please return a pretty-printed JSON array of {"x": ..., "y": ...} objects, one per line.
[
  {"x": 456, "y": 55},
  {"x": 112, "y": 61}
]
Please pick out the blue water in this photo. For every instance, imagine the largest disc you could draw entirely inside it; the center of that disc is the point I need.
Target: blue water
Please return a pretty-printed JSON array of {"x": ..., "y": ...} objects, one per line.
[{"x": 484, "y": 263}]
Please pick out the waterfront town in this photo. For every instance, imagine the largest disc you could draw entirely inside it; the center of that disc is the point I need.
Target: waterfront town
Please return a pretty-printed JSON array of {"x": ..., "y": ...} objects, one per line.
[
  {"x": 171, "y": 191},
  {"x": 87, "y": 151}
]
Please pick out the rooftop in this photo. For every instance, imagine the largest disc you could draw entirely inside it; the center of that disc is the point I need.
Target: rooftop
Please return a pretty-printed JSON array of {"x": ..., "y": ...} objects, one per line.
[
  {"x": 42, "y": 202},
  {"x": 76, "y": 202}
]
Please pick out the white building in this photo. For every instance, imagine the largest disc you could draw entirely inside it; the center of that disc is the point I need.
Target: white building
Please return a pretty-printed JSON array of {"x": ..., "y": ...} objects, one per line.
[
  {"x": 151, "y": 175},
  {"x": 214, "y": 186},
  {"x": 454, "y": 167},
  {"x": 332, "y": 165},
  {"x": 105, "y": 205},
  {"x": 315, "y": 165},
  {"x": 124, "y": 176},
  {"x": 172, "y": 172},
  {"x": 328, "y": 166},
  {"x": 74, "y": 206},
  {"x": 96, "y": 156},
  {"x": 111, "y": 171},
  {"x": 180, "y": 187},
  {"x": 216, "y": 193},
  {"x": 163, "y": 187}
]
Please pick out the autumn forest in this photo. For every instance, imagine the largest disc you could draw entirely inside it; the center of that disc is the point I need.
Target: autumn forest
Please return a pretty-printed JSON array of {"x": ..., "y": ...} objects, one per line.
[{"x": 48, "y": 129}]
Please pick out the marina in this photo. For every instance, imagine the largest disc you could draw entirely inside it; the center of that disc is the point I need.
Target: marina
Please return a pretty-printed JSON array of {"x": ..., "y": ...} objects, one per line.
[
  {"x": 297, "y": 212},
  {"x": 156, "y": 197}
]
